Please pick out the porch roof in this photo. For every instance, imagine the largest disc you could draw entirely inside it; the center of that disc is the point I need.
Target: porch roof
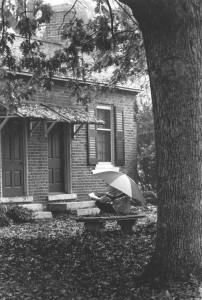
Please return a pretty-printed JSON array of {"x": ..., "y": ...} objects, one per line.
[{"x": 54, "y": 113}]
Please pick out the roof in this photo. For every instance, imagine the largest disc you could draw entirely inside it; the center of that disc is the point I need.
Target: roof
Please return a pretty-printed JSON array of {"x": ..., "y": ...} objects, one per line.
[
  {"x": 54, "y": 113},
  {"x": 135, "y": 90},
  {"x": 49, "y": 47},
  {"x": 75, "y": 116}
]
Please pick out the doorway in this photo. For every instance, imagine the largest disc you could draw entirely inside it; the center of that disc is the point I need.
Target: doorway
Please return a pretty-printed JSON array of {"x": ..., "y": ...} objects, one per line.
[
  {"x": 56, "y": 159},
  {"x": 12, "y": 158}
]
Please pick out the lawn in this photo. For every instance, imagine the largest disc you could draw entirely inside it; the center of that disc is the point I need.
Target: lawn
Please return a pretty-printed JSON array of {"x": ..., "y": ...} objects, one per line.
[{"x": 56, "y": 259}]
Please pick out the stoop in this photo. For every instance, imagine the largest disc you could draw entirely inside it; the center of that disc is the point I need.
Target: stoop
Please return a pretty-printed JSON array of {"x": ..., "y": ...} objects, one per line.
[
  {"x": 62, "y": 203},
  {"x": 55, "y": 198},
  {"x": 39, "y": 210},
  {"x": 67, "y": 203},
  {"x": 70, "y": 206},
  {"x": 34, "y": 206}
]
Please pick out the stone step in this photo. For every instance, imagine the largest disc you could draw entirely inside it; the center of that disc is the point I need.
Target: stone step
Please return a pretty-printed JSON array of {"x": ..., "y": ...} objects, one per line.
[
  {"x": 34, "y": 206},
  {"x": 88, "y": 211},
  {"x": 61, "y": 197},
  {"x": 42, "y": 215},
  {"x": 68, "y": 206},
  {"x": 17, "y": 200}
]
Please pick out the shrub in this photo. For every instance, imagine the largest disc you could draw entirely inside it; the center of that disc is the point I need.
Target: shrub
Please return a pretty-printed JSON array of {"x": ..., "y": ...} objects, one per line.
[
  {"x": 146, "y": 149},
  {"x": 19, "y": 214},
  {"x": 4, "y": 220},
  {"x": 146, "y": 228}
]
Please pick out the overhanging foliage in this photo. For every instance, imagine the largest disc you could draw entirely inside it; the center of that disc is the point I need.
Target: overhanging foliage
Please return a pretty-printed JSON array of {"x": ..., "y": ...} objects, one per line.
[{"x": 111, "y": 40}]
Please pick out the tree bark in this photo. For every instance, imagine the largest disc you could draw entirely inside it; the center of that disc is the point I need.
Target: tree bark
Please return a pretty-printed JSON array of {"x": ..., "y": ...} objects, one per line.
[{"x": 172, "y": 35}]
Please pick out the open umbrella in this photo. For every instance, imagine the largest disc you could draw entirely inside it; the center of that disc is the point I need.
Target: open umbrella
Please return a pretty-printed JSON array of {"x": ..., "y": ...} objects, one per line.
[{"x": 121, "y": 182}]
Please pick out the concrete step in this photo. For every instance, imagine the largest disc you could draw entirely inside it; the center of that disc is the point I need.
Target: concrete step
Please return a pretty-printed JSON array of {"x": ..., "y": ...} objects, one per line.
[
  {"x": 61, "y": 197},
  {"x": 17, "y": 200},
  {"x": 87, "y": 211},
  {"x": 42, "y": 215},
  {"x": 68, "y": 206},
  {"x": 34, "y": 206}
]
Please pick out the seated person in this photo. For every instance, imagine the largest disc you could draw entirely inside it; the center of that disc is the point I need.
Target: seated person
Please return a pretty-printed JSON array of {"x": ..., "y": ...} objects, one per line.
[{"x": 114, "y": 202}]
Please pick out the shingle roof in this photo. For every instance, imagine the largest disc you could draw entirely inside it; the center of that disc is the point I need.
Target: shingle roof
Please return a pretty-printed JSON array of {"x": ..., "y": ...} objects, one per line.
[
  {"x": 55, "y": 113},
  {"x": 75, "y": 116},
  {"x": 35, "y": 110}
]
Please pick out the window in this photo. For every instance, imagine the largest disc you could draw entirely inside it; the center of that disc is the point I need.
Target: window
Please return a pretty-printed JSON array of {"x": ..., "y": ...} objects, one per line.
[
  {"x": 101, "y": 146},
  {"x": 104, "y": 135}
]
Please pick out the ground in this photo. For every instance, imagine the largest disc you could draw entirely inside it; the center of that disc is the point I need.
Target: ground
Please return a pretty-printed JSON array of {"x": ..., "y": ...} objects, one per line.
[{"x": 56, "y": 259}]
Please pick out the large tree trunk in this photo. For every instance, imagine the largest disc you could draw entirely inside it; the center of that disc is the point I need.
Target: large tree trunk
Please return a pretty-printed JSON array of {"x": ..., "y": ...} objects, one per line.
[{"x": 172, "y": 32}]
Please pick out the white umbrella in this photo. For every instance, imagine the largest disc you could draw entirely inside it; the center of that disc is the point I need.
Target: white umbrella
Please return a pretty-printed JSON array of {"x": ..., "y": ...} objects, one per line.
[{"x": 121, "y": 182}]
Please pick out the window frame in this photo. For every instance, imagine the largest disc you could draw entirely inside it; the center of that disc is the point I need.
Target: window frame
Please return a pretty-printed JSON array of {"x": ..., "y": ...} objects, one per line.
[
  {"x": 108, "y": 108},
  {"x": 117, "y": 136}
]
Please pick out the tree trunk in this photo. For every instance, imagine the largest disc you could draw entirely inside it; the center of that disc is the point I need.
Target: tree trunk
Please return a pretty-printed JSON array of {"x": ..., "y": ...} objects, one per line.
[{"x": 172, "y": 35}]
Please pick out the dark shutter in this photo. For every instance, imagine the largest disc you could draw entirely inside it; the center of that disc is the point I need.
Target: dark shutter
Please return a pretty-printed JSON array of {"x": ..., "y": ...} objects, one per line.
[
  {"x": 92, "y": 140},
  {"x": 119, "y": 136}
]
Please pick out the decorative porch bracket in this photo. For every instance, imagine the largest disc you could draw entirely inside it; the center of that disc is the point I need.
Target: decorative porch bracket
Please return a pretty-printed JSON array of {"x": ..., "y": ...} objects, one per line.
[
  {"x": 3, "y": 123},
  {"x": 74, "y": 131},
  {"x": 47, "y": 128},
  {"x": 33, "y": 126}
]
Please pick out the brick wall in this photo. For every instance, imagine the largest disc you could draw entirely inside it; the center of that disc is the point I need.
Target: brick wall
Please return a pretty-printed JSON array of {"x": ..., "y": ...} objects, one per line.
[
  {"x": 83, "y": 181},
  {"x": 53, "y": 29},
  {"x": 37, "y": 164}
]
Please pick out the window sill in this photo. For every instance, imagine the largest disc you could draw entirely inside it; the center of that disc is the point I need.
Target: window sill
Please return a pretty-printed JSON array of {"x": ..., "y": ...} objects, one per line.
[{"x": 105, "y": 166}]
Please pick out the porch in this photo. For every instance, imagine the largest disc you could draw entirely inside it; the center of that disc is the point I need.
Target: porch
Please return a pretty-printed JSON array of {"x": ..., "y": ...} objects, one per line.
[{"x": 35, "y": 152}]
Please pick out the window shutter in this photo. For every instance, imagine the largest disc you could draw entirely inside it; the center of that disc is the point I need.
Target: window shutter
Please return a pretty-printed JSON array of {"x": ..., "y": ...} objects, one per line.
[
  {"x": 92, "y": 140},
  {"x": 119, "y": 136}
]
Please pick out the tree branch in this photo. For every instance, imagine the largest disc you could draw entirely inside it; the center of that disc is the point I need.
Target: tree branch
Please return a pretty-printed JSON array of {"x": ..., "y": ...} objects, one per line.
[
  {"x": 3, "y": 21},
  {"x": 123, "y": 8},
  {"x": 67, "y": 14},
  {"x": 111, "y": 17},
  {"x": 27, "y": 22}
]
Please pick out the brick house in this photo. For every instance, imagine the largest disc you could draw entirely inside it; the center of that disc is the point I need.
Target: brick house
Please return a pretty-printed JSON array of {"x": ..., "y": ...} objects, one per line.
[{"x": 50, "y": 146}]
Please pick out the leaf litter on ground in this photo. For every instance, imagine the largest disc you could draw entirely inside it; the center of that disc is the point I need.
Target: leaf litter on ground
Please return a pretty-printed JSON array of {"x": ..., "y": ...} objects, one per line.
[{"x": 57, "y": 259}]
